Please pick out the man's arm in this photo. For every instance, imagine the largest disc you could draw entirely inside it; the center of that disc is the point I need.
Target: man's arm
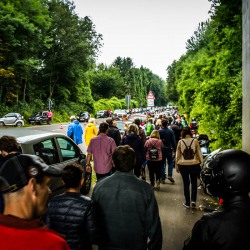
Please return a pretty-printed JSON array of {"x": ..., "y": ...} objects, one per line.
[{"x": 153, "y": 224}]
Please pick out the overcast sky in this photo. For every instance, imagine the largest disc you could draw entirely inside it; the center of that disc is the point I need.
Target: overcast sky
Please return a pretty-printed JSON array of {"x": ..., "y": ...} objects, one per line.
[{"x": 151, "y": 32}]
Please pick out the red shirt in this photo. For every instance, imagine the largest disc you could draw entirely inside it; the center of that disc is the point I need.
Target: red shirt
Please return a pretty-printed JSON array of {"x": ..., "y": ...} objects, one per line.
[{"x": 16, "y": 233}]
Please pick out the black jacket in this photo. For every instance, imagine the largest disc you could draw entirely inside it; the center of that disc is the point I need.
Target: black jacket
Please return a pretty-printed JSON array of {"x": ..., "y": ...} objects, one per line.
[
  {"x": 225, "y": 230},
  {"x": 115, "y": 134},
  {"x": 135, "y": 142},
  {"x": 73, "y": 215}
]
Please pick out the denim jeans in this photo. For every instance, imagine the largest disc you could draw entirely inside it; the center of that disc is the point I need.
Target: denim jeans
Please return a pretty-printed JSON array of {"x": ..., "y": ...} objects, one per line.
[{"x": 169, "y": 158}]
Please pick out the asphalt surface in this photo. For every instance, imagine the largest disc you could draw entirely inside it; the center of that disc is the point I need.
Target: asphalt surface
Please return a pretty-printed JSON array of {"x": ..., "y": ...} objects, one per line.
[{"x": 177, "y": 221}]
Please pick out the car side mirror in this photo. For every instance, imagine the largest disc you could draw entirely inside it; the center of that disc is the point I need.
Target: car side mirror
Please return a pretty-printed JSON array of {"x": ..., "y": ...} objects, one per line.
[{"x": 82, "y": 157}]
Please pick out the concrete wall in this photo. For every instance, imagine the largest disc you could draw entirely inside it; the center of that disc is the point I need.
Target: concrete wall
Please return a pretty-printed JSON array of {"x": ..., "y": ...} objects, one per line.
[{"x": 246, "y": 76}]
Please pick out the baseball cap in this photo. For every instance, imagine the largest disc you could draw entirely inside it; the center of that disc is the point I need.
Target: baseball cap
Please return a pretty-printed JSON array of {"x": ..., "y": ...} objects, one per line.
[{"x": 16, "y": 172}]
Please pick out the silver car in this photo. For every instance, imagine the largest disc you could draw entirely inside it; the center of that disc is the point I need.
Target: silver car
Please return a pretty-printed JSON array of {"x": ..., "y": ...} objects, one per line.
[
  {"x": 55, "y": 149},
  {"x": 12, "y": 119}
]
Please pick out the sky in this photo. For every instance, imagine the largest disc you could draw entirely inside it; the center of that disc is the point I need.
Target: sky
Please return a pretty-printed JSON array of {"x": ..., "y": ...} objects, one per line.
[{"x": 153, "y": 33}]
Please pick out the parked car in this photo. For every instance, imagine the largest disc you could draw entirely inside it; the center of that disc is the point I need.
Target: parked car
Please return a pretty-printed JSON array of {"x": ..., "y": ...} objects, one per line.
[
  {"x": 55, "y": 149},
  {"x": 83, "y": 116},
  {"x": 120, "y": 112},
  {"x": 102, "y": 114},
  {"x": 12, "y": 119},
  {"x": 39, "y": 118}
]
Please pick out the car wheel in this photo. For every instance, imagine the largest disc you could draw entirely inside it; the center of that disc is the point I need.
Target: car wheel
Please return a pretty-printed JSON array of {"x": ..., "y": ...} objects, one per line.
[
  {"x": 1, "y": 124},
  {"x": 19, "y": 124}
]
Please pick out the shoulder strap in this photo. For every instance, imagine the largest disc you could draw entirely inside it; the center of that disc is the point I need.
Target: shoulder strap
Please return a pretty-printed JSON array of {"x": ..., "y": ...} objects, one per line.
[
  {"x": 191, "y": 143},
  {"x": 184, "y": 143}
]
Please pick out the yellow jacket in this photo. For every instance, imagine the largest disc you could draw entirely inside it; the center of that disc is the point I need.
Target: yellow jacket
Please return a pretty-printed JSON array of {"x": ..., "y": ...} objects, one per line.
[
  {"x": 179, "y": 159},
  {"x": 90, "y": 132}
]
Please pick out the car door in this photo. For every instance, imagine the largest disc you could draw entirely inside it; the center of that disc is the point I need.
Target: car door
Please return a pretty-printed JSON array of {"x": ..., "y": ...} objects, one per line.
[
  {"x": 10, "y": 118},
  {"x": 44, "y": 116}
]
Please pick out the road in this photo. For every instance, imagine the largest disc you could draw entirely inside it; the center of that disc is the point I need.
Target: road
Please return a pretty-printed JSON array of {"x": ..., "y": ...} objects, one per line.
[{"x": 177, "y": 221}]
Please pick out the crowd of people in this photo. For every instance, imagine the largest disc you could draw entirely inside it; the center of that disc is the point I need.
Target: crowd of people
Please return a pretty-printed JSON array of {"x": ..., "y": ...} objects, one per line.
[{"x": 122, "y": 212}]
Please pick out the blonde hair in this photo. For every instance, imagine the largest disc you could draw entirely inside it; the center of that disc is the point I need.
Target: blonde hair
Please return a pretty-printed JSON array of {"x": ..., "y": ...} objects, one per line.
[
  {"x": 158, "y": 122},
  {"x": 92, "y": 120},
  {"x": 155, "y": 134},
  {"x": 133, "y": 128}
]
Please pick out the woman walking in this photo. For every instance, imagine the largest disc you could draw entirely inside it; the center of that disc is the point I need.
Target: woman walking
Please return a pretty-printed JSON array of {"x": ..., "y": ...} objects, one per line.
[
  {"x": 188, "y": 160},
  {"x": 133, "y": 139},
  {"x": 153, "y": 147},
  {"x": 90, "y": 131}
]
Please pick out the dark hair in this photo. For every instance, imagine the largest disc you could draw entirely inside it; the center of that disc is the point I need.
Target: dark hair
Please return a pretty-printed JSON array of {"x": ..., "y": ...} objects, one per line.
[
  {"x": 137, "y": 121},
  {"x": 103, "y": 127},
  {"x": 9, "y": 144},
  {"x": 124, "y": 158},
  {"x": 164, "y": 123},
  {"x": 186, "y": 131},
  {"x": 72, "y": 175}
]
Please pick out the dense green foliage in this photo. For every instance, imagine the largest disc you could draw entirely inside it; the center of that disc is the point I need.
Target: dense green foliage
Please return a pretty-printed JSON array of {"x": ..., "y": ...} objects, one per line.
[
  {"x": 207, "y": 81},
  {"x": 48, "y": 52}
]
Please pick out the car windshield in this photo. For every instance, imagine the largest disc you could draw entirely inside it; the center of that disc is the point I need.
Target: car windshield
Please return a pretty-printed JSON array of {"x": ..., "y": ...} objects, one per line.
[{"x": 37, "y": 114}]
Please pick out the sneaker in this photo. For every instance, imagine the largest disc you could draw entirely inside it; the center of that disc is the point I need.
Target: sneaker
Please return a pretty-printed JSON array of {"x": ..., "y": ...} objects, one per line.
[
  {"x": 186, "y": 206},
  {"x": 163, "y": 182},
  {"x": 157, "y": 188},
  {"x": 171, "y": 179},
  {"x": 193, "y": 204}
]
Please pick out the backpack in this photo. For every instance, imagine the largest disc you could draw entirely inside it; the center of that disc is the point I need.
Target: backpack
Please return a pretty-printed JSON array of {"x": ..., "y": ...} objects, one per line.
[
  {"x": 149, "y": 129},
  {"x": 153, "y": 153},
  {"x": 188, "y": 152}
]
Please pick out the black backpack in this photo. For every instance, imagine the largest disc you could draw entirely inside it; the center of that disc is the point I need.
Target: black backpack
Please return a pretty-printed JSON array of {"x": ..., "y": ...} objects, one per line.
[
  {"x": 188, "y": 152},
  {"x": 153, "y": 153}
]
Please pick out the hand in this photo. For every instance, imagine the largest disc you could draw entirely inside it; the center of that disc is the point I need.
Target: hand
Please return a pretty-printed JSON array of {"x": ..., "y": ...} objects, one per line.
[{"x": 88, "y": 168}]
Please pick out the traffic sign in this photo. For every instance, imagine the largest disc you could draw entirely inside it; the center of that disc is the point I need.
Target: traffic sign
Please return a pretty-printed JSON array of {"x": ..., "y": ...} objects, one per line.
[{"x": 150, "y": 95}]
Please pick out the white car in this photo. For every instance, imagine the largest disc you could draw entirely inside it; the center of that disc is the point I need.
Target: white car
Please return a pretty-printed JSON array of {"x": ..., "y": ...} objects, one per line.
[{"x": 12, "y": 119}]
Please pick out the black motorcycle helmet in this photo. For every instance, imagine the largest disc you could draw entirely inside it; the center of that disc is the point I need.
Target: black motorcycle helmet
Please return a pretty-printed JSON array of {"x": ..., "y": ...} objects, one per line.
[{"x": 227, "y": 174}]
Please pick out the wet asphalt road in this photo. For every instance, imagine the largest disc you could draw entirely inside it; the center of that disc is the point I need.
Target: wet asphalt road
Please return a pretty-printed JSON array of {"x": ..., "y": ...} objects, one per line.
[{"x": 177, "y": 221}]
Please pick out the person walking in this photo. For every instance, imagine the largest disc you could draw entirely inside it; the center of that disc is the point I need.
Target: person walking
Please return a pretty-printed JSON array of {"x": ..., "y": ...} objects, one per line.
[
  {"x": 24, "y": 182},
  {"x": 113, "y": 131},
  {"x": 77, "y": 132},
  {"x": 188, "y": 161},
  {"x": 127, "y": 209},
  {"x": 135, "y": 141},
  {"x": 90, "y": 131},
  {"x": 168, "y": 139},
  {"x": 50, "y": 116},
  {"x": 226, "y": 176},
  {"x": 101, "y": 148},
  {"x": 153, "y": 147},
  {"x": 74, "y": 209},
  {"x": 70, "y": 131},
  {"x": 142, "y": 134}
]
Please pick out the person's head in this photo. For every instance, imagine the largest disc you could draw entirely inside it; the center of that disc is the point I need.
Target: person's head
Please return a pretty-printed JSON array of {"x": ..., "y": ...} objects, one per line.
[
  {"x": 155, "y": 134},
  {"x": 73, "y": 176},
  {"x": 137, "y": 121},
  {"x": 133, "y": 129},
  {"x": 114, "y": 123},
  {"x": 150, "y": 120},
  {"x": 92, "y": 120},
  {"x": 193, "y": 119},
  {"x": 227, "y": 174},
  {"x": 109, "y": 121},
  {"x": 186, "y": 131},
  {"x": 103, "y": 127},
  {"x": 25, "y": 183},
  {"x": 164, "y": 123},
  {"x": 124, "y": 158},
  {"x": 8, "y": 144},
  {"x": 72, "y": 118},
  {"x": 158, "y": 122}
]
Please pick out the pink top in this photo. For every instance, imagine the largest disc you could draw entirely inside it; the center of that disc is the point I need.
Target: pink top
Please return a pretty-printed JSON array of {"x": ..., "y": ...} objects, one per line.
[
  {"x": 102, "y": 148},
  {"x": 157, "y": 143}
]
